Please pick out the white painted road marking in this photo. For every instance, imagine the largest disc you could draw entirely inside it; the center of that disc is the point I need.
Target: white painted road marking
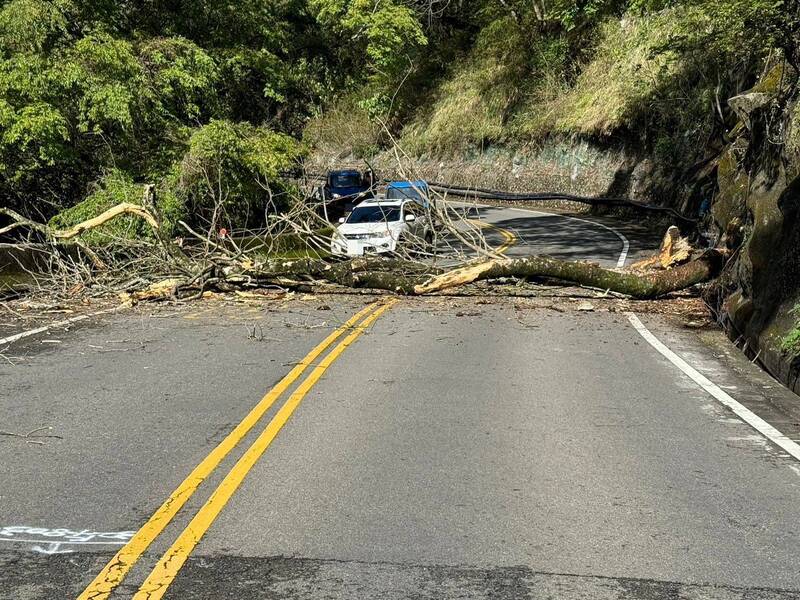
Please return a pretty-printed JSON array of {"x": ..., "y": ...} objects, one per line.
[
  {"x": 68, "y": 536},
  {"x": 745, "y": 414},
  {"x": 29, "y": 541},
  {"x": 623, "y": 255},
  {"x": 64, "y": 323},
  {"x": 52, "y": 548}
]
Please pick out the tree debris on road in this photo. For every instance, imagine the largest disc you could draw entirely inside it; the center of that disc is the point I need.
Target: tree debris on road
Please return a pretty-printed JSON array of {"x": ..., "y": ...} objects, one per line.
[
  {"x": 187, "y": 270},
  {"x": 674, "y": 250}
]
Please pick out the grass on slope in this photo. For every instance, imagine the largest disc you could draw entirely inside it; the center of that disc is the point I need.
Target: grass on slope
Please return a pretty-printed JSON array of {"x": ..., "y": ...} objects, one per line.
[{"x": 517, "y": 88}]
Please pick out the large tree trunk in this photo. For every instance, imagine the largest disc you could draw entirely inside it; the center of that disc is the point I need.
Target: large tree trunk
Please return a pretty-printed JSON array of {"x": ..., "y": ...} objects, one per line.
[
  {"x": 395, "y": 275},
  {"x": 417, "y": 278},
  {"x": 639, "y": 286}
]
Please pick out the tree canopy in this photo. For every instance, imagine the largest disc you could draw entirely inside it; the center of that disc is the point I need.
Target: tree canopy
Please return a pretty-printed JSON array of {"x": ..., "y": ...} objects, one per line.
[{"x": 102, "y": 94}]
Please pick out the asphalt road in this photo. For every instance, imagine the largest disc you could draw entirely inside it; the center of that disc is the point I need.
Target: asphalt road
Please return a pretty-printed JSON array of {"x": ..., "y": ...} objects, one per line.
[
  {"x": 455, "y": 448},
  {"x": 573, "y": 237}
]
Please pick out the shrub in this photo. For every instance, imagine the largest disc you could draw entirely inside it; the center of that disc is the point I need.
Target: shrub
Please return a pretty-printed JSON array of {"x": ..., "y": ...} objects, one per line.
[
  {"x": 790, "y": 342},
  {"x": 472, "y": 105},
  {"x": 232, "y": 173}
]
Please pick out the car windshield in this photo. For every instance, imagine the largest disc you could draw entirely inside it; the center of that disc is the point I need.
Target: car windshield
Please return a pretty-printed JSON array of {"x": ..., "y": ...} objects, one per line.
[
  {"x": 411, "y": 193},
  {"x": 342, "y": 180},
  {"x": 374, "y": 214}
]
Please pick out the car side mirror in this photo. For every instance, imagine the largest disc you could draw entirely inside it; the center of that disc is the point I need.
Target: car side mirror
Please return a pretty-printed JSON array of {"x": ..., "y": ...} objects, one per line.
[
  {"x": 410, "y": 218},
  {"x": 341, "y": 219}
]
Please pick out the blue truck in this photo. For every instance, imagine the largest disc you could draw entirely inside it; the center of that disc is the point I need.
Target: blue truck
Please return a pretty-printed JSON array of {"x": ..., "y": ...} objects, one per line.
[
  {"x": 345, "y": 188},
  {"x": 417, "y": 191}
]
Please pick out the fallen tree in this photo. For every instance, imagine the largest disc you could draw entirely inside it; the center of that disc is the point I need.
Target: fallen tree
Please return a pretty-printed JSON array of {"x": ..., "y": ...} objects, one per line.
[
  {"x": 647, "y": 286},
  {"x": 171, "y": 271},
  {"x": 405, "y": 277}
]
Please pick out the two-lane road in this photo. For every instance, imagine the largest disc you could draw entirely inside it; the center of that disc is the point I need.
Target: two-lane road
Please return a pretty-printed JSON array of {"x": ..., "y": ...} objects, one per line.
[
  {"x": 569, "y": 237},
  {"x": 442, "y": 448}
]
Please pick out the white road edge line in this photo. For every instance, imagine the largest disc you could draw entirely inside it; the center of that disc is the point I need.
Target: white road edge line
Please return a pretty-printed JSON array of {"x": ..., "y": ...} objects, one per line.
[
  {"x": 64, "y": 323},
  {"x": 623, "y": 255},
  {"x": 745, "y": 414}
]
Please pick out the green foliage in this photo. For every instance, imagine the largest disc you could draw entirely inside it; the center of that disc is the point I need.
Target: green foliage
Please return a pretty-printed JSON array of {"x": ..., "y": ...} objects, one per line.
[
  {"x": 472, "y": 106},
  {"x": 35, "y": 134},
  {"x": 180, "y": 75},
  {"x": 32, "y": 25},
  {"x": 599, "y": 69},
  {"x": 508, "y": 70},
  {"x": 112, "y": 189},
  {"x": 790, "y": 342},
  {"x": 388, "y": 31},
  {"x": 344, "y": 128},
  {"x": 384, "y": 29},
  {"x": 793, "y": 143},
  {"x": 738, "y": 28},
  {"x": 88, "y": 88},
  {"x": 96, "y": 93},
  {"x": 231, "y": 172},
  {"x": 624, "y": 77},
  {"x": 377, "y": 41},
  {"x": 107, "y": 75}
]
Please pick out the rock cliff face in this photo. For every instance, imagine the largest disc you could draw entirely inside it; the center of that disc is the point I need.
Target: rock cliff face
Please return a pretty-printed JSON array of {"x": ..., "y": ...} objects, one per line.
[{"x": 756, "y": 214}]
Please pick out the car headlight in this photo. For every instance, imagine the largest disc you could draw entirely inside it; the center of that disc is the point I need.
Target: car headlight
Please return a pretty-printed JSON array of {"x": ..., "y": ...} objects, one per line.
[{"x": 384, "y": 234}]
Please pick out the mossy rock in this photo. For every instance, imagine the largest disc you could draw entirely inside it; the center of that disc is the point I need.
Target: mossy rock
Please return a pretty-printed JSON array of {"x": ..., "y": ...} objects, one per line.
[
  {"x": 772, "y": 82},
  {"x": 731, "y": 202}
]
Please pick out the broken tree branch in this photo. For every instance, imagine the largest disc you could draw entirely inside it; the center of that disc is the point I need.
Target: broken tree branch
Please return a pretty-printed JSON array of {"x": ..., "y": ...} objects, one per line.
[
  {"x": 647, "y": 286},
  {"x": 163, "y": 269},
  {"x": 104, "y": 217}
]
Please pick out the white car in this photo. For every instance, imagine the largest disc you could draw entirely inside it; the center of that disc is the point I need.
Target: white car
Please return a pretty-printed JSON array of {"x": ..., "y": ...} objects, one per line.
[{"x": 379, "y": 225}]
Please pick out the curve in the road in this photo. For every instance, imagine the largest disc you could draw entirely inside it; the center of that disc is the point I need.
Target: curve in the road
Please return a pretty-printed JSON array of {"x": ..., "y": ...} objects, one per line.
[
  {"x": 509, "y": 238},
  {"x": 567, "y": 241},
  {"x": 623, "y": 255}
]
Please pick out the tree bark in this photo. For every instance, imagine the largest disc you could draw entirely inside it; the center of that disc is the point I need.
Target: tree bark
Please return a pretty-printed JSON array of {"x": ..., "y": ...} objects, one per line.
[
  {"x": 647, "y": 286},
  {"x": 104, "y": 217},
  {"x": 224, "y": 270},
  {"x": 394, "y": 275},
  {"x": 412, "y": 278}
]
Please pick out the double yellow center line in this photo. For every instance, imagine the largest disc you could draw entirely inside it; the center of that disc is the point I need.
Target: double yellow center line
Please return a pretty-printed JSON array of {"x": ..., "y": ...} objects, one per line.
[
  {"x": 509, "y": 239},
  {"x": 165, "y": 571}
]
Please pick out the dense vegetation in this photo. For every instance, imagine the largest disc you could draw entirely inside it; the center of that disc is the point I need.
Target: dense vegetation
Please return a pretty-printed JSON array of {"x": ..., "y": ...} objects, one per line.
[
  {"x": 205, "y": 99},
  {"x": 213, "y": 101}
]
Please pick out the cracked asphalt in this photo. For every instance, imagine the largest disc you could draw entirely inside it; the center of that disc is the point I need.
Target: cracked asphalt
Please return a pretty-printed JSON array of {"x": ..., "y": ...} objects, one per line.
[{"x": 460, "y": 448}]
